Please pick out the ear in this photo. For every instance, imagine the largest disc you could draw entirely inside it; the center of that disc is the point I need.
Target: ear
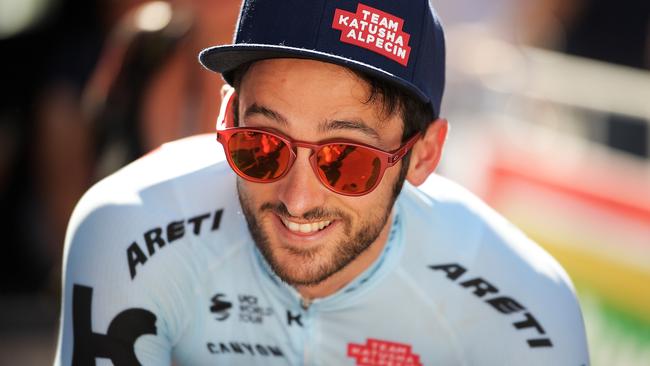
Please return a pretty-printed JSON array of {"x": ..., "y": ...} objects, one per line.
[{"x": 426, "y": 153}]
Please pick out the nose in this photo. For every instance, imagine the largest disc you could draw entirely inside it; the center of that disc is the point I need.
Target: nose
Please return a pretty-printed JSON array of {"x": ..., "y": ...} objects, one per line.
[{"x": 300, "y": 189}]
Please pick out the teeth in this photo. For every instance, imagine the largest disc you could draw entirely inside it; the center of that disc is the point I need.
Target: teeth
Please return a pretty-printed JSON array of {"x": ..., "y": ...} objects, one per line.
[
  {"x": 306, "y": 228},
  {"x": 293, "y": 226}
]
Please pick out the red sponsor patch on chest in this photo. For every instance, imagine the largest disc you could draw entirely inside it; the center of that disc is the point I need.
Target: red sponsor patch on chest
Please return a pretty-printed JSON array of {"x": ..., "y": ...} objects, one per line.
[
  {"x": 383, "y": 353},
  {"x": 374, "y": 30}
]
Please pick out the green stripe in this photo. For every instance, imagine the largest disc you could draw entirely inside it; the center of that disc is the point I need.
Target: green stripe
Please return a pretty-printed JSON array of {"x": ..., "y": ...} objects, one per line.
[{"x": 625, "y": 323}]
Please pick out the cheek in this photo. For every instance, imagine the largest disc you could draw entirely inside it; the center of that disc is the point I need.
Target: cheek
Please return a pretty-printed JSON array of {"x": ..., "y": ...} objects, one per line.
[
  {"x": 373, "y": 204},
  {"x": 254, "y": 196},
  {"x": 249, "y": 197},
  {"x": 384, "y": 194},
  {"x": 255, "y": 193},
  {"x": 388, "y": 181}
]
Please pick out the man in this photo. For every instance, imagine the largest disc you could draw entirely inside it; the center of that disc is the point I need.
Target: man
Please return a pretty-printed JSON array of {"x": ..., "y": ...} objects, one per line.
[{"x": 311, "y": 245}]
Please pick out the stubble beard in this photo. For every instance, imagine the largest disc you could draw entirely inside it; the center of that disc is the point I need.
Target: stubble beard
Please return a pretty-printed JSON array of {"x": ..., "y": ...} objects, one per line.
[{"x": 310, "y": 267}]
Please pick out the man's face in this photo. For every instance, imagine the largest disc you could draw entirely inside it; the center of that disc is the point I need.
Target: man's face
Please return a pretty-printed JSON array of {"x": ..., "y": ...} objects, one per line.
[{"x": 306, "y": 232}]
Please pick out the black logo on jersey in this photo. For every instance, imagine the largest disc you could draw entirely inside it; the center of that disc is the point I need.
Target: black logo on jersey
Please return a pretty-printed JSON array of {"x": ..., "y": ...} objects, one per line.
[
  {"x": 220, "y": 307},
  {"x": 291, "y": 318},
  {"x": 118, "y": 342},
  {"x": 158, "y": 238},
  {"x": 244, "y": 348},
  {"x": 250, "y": 311},
  {"x": 503, "y": 304}
]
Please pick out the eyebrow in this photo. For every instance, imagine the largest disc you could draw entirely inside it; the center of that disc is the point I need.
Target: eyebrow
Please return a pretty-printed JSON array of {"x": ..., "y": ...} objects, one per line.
[
  {"x": 326, "y": 126},
  {"x": 356, "y": 125},
  {"x": 266, "y": 112}
]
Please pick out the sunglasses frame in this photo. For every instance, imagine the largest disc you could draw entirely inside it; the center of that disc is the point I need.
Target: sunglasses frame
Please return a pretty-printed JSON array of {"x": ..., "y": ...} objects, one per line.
[{"x": 387, "y": 159}]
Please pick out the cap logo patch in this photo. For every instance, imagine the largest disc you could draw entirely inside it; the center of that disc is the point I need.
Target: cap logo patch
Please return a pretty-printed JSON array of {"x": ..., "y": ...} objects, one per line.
[{"x": 374, "y": 30}]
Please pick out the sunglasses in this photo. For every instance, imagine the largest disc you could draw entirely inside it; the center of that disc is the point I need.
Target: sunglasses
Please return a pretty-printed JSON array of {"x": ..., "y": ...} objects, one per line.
[{"x": 345, "y": 167}]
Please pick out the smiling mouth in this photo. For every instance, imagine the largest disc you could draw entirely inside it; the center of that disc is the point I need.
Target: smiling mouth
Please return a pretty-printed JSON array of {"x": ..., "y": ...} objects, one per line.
[{"x": 306, "y": 228}]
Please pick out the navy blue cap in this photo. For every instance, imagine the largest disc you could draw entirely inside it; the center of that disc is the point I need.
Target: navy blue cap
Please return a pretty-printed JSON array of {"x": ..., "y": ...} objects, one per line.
[{"x": 401, "y": 41}]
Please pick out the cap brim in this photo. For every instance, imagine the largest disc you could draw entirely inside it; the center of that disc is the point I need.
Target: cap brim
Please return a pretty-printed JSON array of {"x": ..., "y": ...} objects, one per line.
[{"x": 225, "y": 59}]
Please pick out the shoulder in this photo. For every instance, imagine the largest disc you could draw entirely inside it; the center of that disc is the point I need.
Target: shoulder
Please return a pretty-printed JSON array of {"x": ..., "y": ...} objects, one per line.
[
  {"x": 155, "y": 178},
  {"x": 451, "y": 223},
  {"x": 491, "y": 278},
  {"x": 173, "y": 178},
  {"x": 178, "y": 192}
]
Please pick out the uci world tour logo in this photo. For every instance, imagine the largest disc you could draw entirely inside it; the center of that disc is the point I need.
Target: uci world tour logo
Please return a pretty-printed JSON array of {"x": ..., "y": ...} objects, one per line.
[{"x": 374, "y": 30}]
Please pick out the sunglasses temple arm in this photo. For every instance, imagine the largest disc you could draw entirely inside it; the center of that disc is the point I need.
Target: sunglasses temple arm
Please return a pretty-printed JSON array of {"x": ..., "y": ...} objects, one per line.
[
  {"x": 225, "y": 110},
  {"x": 399, "y": 154}
]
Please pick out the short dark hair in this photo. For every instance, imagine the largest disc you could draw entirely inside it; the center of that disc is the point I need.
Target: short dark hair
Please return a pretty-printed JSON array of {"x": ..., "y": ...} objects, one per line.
[{"x": 416, "y": 115}]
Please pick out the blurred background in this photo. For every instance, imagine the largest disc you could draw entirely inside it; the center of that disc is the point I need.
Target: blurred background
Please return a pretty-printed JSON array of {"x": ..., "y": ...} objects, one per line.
[{"x": 549, "y": 103}]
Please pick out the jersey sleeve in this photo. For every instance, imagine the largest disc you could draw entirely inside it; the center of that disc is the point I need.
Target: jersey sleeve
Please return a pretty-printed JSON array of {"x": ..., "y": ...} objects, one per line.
[
  {"x": 124, "y": 299},
  {"x": 506, "y": 300},
  {"x": 530, "y": 301}
]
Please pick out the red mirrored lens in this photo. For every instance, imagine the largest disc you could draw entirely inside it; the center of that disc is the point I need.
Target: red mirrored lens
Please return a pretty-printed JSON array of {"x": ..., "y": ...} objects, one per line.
[
  {"x": 258, "y": 155},
  {"x": 348, "y": 168}
]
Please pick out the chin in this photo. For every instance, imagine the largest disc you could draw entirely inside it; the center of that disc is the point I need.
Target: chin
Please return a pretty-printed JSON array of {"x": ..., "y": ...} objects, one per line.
[{"x": 300, "y": 266}]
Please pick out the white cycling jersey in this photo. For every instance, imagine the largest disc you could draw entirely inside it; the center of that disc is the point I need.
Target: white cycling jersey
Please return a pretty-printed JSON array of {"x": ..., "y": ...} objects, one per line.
[{"x": 160, "y": 267}]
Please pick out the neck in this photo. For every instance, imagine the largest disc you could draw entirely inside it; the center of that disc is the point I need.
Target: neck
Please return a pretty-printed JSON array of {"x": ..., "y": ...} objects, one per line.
[{"x": 346, "y": 275}]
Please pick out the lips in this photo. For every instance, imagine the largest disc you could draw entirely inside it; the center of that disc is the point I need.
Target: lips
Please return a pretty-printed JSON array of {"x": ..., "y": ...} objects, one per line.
[{"x": 305, "y": 228}]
